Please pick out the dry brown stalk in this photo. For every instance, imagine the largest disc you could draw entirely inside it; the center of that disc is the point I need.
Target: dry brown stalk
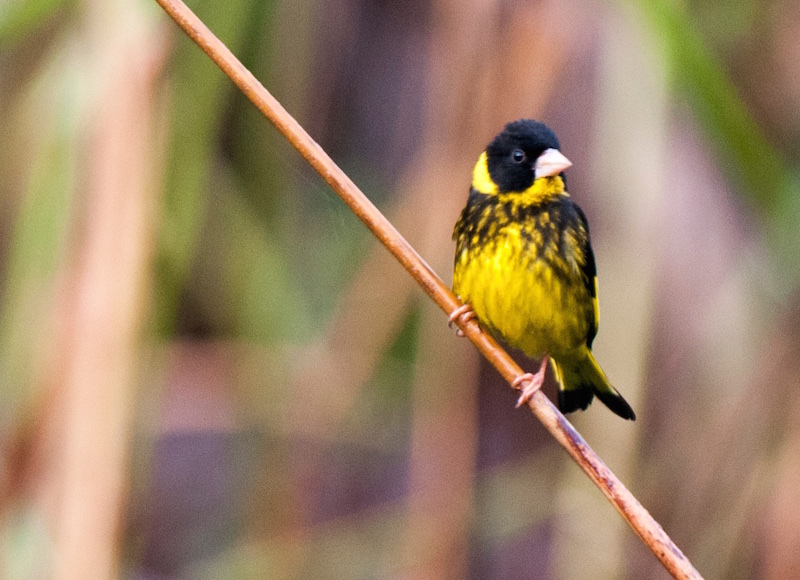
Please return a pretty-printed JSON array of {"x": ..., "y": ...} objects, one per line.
[
  {"x": 623, "y": 500},
  {"x": 100, "y": 312}
]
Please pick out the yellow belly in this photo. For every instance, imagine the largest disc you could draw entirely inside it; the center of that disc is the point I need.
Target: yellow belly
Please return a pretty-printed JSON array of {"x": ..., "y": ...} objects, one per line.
[{"x": 522, "y": 299}]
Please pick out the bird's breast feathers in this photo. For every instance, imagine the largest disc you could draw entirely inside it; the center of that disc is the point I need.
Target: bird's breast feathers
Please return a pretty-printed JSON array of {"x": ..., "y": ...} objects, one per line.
[{"x": 521, "y": 269}]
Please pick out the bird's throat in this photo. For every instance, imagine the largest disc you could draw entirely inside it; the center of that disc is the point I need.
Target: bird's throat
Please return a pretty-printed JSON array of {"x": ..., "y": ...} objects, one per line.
[{"x": 541, "y": 191}]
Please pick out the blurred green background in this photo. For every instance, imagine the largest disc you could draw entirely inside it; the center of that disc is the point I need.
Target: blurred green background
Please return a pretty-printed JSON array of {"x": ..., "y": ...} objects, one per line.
[{"x": 209, "y": 369}]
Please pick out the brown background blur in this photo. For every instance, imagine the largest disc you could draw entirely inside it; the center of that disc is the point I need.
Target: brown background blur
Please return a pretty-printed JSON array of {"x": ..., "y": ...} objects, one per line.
[{"x": 209, "y": 369}]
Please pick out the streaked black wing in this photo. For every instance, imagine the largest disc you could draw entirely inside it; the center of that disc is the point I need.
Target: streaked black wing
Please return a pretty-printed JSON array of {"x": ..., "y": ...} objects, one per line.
[{"x": 589, "y": 270}]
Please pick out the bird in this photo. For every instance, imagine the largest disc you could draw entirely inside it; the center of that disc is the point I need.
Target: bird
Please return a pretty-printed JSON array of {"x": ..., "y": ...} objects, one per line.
[{"x": 524, "y": 266}]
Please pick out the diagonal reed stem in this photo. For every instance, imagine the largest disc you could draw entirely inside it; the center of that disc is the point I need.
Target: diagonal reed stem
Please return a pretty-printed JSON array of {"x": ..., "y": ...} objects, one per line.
[{"x": 623, "y": 500}]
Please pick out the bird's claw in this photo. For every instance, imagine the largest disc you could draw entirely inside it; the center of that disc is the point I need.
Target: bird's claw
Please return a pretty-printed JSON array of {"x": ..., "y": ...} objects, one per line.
[
  {"x": 532, "y": 383},
  {"x": 463, "y": 312}
]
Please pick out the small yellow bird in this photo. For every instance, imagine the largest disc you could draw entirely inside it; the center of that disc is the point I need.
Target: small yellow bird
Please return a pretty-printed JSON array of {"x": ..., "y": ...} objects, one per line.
[{"x": 524, "y": 265}]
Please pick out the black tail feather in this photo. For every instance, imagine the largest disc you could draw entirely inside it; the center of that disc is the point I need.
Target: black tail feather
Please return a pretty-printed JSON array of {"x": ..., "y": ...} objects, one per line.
[
  {"x": 580, "y": 379},
  {"x": 616, "y": 403},
  {"x": 574, "y": 399}
]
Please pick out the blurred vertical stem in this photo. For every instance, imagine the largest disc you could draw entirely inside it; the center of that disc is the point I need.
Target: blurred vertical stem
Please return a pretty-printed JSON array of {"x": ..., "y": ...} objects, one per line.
[
  {"x": 102, "y": 296},
  {"x": 696, "y": 73}
]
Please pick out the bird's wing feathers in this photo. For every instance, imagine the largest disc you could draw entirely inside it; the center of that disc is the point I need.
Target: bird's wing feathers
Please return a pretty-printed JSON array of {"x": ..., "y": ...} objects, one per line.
[{"x": 589, "y": 269}]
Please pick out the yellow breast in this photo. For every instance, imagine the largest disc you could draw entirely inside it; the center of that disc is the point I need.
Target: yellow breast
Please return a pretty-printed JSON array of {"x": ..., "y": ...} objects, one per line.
[{"x": 536, "y": 301}]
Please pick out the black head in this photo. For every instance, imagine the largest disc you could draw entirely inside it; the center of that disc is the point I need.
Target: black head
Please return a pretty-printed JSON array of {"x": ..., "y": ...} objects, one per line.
[{"x": 512, "y": 154}]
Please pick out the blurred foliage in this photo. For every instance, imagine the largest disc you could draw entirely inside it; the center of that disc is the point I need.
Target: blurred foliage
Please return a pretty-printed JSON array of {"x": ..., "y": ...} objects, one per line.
[
  {"x": 44, "y": 115},
  {"x": 20, "y": 18},
  {"x": 236, "y": 205},
  {"x": 197, "y": 110},
  {"x": 255, "y": 253},
  {"x": 769, "y": 182}
]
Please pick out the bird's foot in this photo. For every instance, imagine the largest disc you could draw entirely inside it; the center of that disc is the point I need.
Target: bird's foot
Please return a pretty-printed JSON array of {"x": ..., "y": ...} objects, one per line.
[
  {"x": 532, "y": 383},
  {"x": 465, "y": 313}
]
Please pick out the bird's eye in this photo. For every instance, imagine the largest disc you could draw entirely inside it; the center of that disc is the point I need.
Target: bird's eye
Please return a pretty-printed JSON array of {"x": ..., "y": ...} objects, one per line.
[{"x": 518, "y": 156}]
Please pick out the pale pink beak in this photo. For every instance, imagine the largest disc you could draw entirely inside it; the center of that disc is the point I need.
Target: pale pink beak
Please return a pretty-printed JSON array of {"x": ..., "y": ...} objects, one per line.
[{"x": 551, "y": 162}]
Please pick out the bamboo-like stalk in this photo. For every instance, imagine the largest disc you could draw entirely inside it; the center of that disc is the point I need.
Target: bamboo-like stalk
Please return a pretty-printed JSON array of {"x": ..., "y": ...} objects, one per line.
[
  {"x": 626, "y": 504},
  {"x": 100, "y": 312}
]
